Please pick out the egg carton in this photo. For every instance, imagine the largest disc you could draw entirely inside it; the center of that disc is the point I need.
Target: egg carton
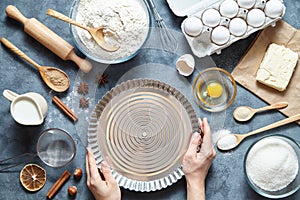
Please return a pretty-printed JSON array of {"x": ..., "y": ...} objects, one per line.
[{"x": 213, "y": 25}]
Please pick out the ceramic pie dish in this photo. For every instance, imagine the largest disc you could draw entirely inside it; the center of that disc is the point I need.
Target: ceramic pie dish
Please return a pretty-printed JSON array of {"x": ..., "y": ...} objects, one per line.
[{"x": 142, "y": 128}]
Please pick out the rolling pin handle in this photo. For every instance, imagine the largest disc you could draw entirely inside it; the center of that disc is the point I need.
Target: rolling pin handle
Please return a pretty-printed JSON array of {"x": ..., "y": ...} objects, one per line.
[
  {"x": 83, "y": 64},
  {"x": 14, "y": 13}
]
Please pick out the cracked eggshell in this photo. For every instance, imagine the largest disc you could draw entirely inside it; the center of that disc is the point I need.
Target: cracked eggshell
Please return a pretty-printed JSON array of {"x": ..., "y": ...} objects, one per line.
[
  {"x": 246, "y": 3},
  {"x": 185, "y": 64},
  {"x": 229, "y": 8},
  {"x": 256, "y": 18},
  {"x": 220, "y": 35},
  {"x": 274, "y": 8},
  {"x": 237, "y": 27},
  {"x": 193, "y": 26},
  {"x": 211, "y": 17}
]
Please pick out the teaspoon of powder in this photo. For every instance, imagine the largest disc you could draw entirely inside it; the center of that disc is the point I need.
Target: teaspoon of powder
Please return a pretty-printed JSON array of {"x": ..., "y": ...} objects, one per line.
[
  {"x": 227, "y": 141},
  {"x": 243, "y": 113}
]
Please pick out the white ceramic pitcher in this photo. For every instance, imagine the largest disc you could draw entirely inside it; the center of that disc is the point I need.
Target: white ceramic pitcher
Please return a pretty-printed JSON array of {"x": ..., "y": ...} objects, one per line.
[{"x": 27, "y": 109}]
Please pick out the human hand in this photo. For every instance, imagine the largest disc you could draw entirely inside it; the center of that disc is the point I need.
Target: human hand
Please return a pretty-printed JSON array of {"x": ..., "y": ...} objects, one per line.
[
  {"x": 196, "y": 165},
  {"x": 106, "y": 189}
]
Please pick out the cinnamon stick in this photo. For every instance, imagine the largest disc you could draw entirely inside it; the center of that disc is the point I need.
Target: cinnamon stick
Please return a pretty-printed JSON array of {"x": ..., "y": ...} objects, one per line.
[
  {"x": 58, "y": 184},
  {"x": 64, "y": 108}
]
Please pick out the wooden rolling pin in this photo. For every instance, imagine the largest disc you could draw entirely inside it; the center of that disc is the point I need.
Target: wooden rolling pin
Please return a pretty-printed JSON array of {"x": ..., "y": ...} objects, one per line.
[{"x": 48, "y": 38}]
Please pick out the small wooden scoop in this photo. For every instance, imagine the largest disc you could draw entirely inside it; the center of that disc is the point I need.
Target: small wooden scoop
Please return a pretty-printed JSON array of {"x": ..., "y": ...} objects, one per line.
[
  {"x": 244, "y": 113},
  {"x": 48, "y": 38},
  {"x": 96, "y": 33},
  {"x": 55, "y": 78}
]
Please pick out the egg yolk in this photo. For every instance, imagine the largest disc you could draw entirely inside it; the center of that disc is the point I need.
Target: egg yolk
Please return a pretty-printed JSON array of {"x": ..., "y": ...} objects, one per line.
[{"x": 214, "y": 90}]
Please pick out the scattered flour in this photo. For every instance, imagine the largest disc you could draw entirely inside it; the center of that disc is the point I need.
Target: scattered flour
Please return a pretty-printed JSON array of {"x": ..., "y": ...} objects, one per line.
[
  {"x": 219, "y": 133},
  {"x": 126, "y": 24},
  {"x": 272, "y": 164}
]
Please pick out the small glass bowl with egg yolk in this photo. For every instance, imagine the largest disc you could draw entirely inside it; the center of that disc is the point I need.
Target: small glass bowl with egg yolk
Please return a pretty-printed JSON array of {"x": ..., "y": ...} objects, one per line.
[{"x": 214, "y": 89}]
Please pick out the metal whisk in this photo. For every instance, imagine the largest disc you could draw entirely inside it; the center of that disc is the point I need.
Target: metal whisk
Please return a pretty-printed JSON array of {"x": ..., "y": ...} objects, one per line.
[{"x": 168, "y": 41}]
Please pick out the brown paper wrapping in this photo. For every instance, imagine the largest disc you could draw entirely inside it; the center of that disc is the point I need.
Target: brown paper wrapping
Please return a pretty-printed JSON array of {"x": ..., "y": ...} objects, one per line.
[{"x": 245, "y": 72}]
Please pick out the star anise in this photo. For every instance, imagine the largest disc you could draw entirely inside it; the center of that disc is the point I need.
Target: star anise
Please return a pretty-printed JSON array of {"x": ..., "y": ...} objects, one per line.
[
  {"x": 83, "y": 103},
  {"x": 83, "y": 88},
  {"x": 101, "y": 79}
]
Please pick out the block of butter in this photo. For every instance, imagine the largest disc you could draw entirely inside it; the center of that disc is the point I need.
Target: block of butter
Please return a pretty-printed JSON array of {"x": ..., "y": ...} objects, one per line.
[{"x": 277, "y": 67}]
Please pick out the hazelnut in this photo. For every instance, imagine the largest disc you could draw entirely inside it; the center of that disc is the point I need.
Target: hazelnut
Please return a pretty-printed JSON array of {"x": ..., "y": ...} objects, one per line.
[
  {"x": 77, "y": 173},
  {"x": 72, "y": 190}
]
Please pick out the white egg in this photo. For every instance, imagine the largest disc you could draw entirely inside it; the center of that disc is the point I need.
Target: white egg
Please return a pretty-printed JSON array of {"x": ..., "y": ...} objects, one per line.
[
  {"x": 220, "y": 35},
  {"x": 193, "y": 26},
  {"x": 229, "y": 8},
  {"x": 274, "y": 8},
  {"x": 211, "y": 17},
  {"x": 185, "y": 64},
  {"x": 246, "y": 3},
  {"x": 237, "y": 27},
  {"x": 256, "y": 18}
]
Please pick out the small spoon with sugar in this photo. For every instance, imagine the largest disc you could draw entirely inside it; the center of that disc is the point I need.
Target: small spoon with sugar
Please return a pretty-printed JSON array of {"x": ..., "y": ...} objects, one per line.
[
  {"x": 96, "y": 33},
  {"x": 55, "y": 78},
  {"x": 230, "y": 141},
  {"x": 244, "y": 113}
]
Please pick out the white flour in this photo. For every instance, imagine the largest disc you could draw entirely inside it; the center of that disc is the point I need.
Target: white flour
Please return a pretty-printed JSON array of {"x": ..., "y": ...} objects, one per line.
[
  {"x": 227, "y": 142},
  {"x": 219, "y": 133},
  {"x": 125, "y": 22},
  {"x": 272, "y": 164}
]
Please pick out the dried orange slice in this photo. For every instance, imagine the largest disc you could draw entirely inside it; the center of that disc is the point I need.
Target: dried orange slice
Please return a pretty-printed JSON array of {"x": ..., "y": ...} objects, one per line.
[{"x": 33, "y": 177}]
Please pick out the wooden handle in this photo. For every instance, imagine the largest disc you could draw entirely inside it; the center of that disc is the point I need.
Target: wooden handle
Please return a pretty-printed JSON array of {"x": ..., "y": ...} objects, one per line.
[
  {"x": 17, "y": 51},
  {"x": 46, "y": 37},
  {"x": 64, "y": 18},
  {"x": 83, "y": 64},
  {"x": 14, "y": 13},
  {"x": 275, "y": 125},
  {"x": 274, "y": 106}
]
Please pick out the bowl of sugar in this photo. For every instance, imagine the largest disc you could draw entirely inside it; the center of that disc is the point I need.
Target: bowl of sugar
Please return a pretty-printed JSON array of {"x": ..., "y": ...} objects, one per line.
[
  {"x": 271, "y": 166},
  {"x": 126, "y": 24}
]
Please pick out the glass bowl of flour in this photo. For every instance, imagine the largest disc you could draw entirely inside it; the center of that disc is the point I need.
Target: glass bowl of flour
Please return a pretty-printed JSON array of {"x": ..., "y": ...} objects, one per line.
[
  {"x": 126, "y": 24},
  {"x": 271, "y": 166}
]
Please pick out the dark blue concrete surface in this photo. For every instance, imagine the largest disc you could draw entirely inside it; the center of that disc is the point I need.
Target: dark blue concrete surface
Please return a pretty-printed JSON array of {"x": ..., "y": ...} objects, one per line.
[{"x": 226, "y": 179}]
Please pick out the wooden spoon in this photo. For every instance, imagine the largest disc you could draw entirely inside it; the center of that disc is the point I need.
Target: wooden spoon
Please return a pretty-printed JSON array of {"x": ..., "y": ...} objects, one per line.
[
  {"x": 96, "y": 33},
  {"x": 244, "y": 113},
  {"x": 230, "y": 141},
  {"x": 55, "y": 78}
]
